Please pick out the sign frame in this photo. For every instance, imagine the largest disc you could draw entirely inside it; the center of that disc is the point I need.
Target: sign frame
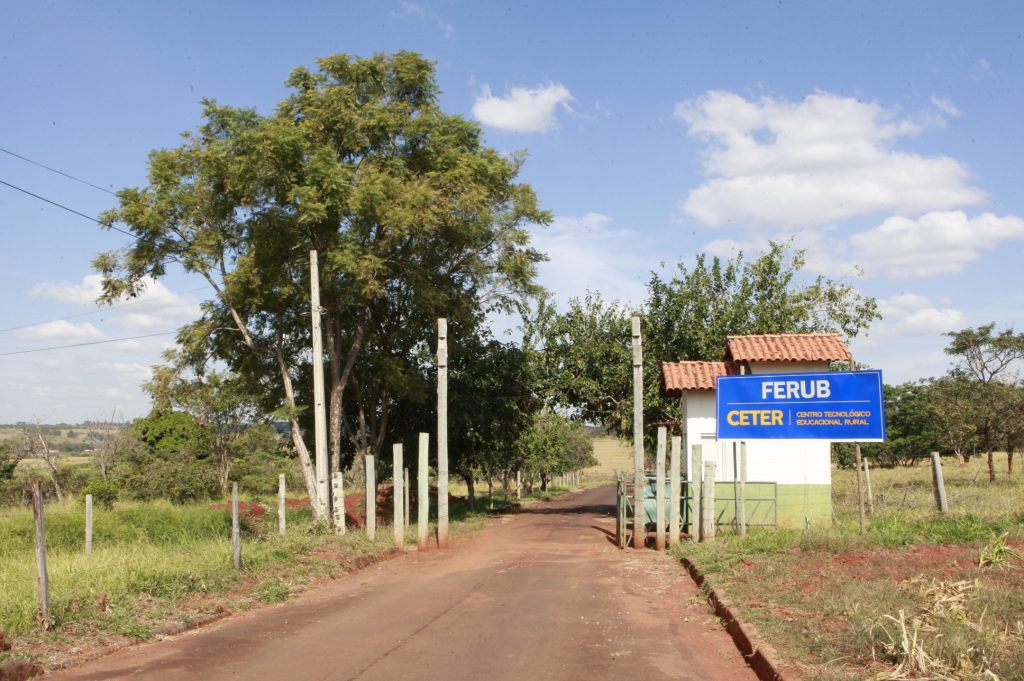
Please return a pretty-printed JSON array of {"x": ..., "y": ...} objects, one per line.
[{"x": 830, "y": 418}]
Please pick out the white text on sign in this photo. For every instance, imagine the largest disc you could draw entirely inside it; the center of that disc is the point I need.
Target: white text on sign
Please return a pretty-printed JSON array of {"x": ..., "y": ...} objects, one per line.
[{"x": 792, "y": 390}]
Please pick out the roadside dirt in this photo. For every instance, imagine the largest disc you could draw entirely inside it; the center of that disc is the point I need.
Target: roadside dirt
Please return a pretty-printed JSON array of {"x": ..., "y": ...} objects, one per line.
[{"x": 540, "y": 594}]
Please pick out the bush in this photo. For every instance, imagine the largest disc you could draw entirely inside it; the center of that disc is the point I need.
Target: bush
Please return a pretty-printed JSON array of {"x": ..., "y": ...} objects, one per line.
[
  {"x": 180, "y": 482},
  {"x": 104, "y": 492}
]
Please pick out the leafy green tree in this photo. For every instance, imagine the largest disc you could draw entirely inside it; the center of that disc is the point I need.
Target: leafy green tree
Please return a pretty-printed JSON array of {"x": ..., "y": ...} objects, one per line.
[
  {"x": 985, "y": 360},
  {"x": 220, "y": 406},
  {"x": 587, "y": 348},
  {"x": 910, "y": 426},
  {"x": 412, "y": 216},
  {"x": 555, "y": 446},
  {"x": 172, "y": 465},
  {"x": 8, "y": 461}
]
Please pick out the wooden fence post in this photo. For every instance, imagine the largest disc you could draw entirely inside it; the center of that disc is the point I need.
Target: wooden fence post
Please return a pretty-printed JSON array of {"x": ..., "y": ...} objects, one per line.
[
  {"x": 236, "y": 533},
  {"x": 675, "y": 483},
  {"x": 867, "y": 485},
  {"x": 860, "y": 488},
  {"x": 371, "y": 498},
  {"x": 659, "y": 494},
  {"x": 423, "y": 492},
  {"x": 707, "y": 504},
  {"x": 88, "y": 524},
  {"x": 282, "y": 505},
  {"x": 338, "y": 505},
  {"x": 398, "y": 492},
  {"x": 42, "y": 574},
  {"x": 940, "y": 485},
  {"x": 741, "y": 492},
  {"x": 693, "y": 512}
]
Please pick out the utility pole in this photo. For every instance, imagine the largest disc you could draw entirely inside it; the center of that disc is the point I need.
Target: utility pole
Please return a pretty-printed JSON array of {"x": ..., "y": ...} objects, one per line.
[
  {"x": 442, "y": 433},
  {"x": 319, "y": 411},
  {"x": 639, "y": 480}
]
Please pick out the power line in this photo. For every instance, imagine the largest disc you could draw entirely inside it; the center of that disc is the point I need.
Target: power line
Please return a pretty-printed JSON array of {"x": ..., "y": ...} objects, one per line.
[
  {"x": 59, "y": 172},
  {"x": 79, "y": 345},
  {"x": 70, "y": 210},
  {"x": 105, "y": 309}
]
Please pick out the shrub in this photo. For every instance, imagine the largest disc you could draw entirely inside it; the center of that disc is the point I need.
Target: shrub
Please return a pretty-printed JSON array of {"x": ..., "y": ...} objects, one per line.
[{"x": 104, "y": 492}]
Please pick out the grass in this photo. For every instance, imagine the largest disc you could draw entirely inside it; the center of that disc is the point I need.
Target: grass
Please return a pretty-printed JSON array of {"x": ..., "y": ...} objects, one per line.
[{"x": 919, "y": 595}]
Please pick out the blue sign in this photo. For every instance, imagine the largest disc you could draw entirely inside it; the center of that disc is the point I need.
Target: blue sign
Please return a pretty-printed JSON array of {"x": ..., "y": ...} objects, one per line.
[{"x": 841, "y": 406}]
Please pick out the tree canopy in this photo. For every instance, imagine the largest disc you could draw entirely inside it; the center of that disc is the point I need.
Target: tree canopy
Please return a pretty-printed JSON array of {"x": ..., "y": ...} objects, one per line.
[
  {"x": 412, "y": 216},
  {"x": 586, "y": 349}
]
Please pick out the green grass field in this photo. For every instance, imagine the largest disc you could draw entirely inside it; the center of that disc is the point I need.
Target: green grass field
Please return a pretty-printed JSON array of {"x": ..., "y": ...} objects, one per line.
[{"x": 919, "y": 595}]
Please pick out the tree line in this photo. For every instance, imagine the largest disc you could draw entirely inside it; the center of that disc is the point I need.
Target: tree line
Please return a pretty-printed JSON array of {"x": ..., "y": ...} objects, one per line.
[{"x": 976, "y": 408}]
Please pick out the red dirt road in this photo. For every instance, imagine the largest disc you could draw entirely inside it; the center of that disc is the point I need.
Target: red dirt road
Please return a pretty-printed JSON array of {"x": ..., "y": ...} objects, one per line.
[{"x": 543, "y": 594}]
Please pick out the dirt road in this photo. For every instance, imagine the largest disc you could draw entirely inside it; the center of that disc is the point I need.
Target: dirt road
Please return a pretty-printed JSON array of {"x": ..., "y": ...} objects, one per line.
[{"x": 543, "y": 594}]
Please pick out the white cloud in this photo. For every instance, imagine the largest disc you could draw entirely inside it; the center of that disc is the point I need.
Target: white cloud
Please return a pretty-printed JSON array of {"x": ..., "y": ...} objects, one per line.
[
  {"x": 938, "y": 242},
  {"x": 408, "y": 9},
  {"x": 981, "y": 69},
  {"x": 587, "y": 253},
  {"x": 771, "y": 162},
  {"x": 824, "y": 252},
  {"x": 157, "y": 306},
  {"x": 61, "y": 331},
  {"x": 84, "y": 293},
  {"x": 911, "y": 314},
  {"x": 523, "y": 109},
  {"x": 946, "y": 106}
]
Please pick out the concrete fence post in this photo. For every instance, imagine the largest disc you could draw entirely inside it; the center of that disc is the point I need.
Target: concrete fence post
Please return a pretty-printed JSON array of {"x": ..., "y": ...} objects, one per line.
[
  {"x": 675, "y": 484},
  {"x": 398, "y": 494},
  {"x": 282, "y": 505},
  {"x": 693, "y": 512},
  {"x": 423, "y": 492},
  {"x": 371, "y": 498},
  {"x": 707, "y": 504},
  {"x": 741, "y": 492},
  {"x": 940, "y": 485},
  {"x": 236, "y": 529},
  {"x": 338, "y": 504},
  {"x": 88, "y": 524},
  {"x": 659, "y": 494}
]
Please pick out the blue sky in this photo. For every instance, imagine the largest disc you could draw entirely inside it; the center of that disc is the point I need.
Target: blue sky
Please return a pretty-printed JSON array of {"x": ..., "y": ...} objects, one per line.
[{"x": 883, "y": 137}]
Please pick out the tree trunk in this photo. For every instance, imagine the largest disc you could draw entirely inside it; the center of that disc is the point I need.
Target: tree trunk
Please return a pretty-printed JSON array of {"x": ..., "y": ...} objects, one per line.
[
  {"x": 308, "y": 475},
  {"x": 991, "y": 468},
  {"x": 505, "y": 489},
  {"x": 1009, "y": 460},
  {"x": 490, "y": 492},
  {"x": 470, "y": 490},
  {"x": 543, "y": 482},
  {"x": 339, "y": 380}
]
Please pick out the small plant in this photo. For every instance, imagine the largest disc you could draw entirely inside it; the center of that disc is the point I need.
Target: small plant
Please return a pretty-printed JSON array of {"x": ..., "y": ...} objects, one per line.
[
  {"x": 273, "y": 591},
  {"x": 997, "y": 554},
  {"x": 104, "y": 492}
]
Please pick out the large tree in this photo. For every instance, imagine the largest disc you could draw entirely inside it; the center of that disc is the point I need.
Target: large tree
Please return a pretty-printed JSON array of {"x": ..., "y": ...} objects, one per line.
[
  {"x": 586, "y": 349},
  {"x": 985, "y": 376},
  {"x": 412, "y": 216}
]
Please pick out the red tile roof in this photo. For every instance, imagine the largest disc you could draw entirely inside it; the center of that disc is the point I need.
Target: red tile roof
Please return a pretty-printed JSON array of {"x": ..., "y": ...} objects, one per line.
[
  {"x": 787, "y": 347},
  {"x": 679, "y": 376}
]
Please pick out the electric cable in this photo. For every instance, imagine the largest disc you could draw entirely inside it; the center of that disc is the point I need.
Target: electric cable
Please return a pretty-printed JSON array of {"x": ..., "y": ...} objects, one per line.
[
  {"x": 79, "y": 345},
  {"x": 59, "y": 172}
]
